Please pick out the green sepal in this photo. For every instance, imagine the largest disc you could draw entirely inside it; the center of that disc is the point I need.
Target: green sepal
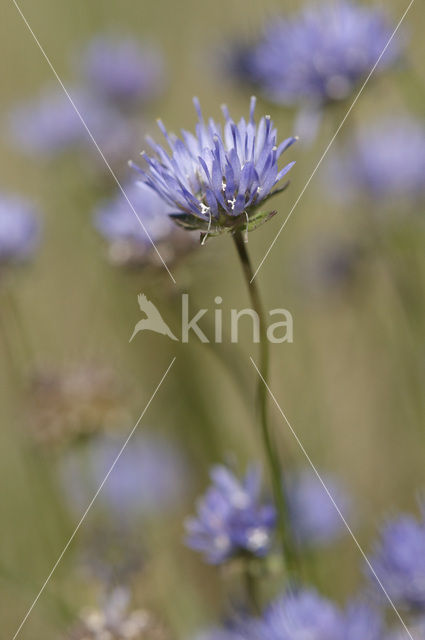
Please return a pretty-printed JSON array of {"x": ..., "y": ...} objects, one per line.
[
  {"x": 259, "y": 219},
  {"x": 188, "y": 221},
  {"x": 227, "y": 224}
]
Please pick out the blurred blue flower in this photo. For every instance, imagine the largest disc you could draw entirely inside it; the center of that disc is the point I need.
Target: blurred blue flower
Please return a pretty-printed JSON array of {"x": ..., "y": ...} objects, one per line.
[
  {"x": 215, "y": 182},
  {"x": 234, "y": 631},
  {"x": 314, "y": 519},
  {"x": 19, "y": 229},
  {"x": 129, "y": 242},
  {"x": 122, "y": 70},
  {"x": 399, "y": 562},
  {"x": 329, "y": 264},
  {"x": 320, "y": 55},
  {"x": 362, "y": 622},
  {"x": 150, "y": 476},
  {"x": 49, "y": 125},
  {"x": 416, "y": 630},
  {"x": 304, "y": 615},
  {"x": 386, "y": 159},
  {"x": 231, "y": 520},
  {"x": 300, "y": 615}
]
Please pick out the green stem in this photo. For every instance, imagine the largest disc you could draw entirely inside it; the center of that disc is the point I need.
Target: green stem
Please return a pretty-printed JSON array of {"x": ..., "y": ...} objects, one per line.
[
  {"x": 269, "y": 446},
  {"x": 251, "y": 588}
]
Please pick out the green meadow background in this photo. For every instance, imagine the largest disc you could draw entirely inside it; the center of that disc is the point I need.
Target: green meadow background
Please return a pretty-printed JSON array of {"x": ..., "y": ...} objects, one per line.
[{"x": 351, "y": 384}]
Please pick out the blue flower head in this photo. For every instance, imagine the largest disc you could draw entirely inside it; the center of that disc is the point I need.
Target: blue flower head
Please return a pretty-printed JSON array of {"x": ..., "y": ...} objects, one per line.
[
  {"x": 314, "y": 519},
  {"x": 231, "y": 520},
  {"x": 129, "y": 244},
  {"x": 385, "y": 160},
  {"x": 300, "y": 615},
  {"x": 362, "y": 621},
  {"x": 416, "y": 630},
  {"x": 217, "y": 179},
  {"x": 19, "y": 229},
  {"x": 122, "y": 70},
  {"x": 399, "y": 562},
  {"x": 304, "y": 615},
  {"x": 49, "y": 125},
  {"x": 319, "y": 55},
  {"x": 149, "y": 477}
]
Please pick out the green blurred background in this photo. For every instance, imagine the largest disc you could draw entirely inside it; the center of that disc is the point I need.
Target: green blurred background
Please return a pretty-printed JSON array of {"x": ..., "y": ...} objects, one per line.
[{"x": 351, "y": 384}]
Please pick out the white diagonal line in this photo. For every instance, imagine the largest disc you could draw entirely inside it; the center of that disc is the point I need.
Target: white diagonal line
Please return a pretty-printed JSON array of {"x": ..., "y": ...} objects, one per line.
[
  {"x": 83, "y": 122},
  {"x": 350, "y": 531},
  {"x": 55, "y": 566},
  {"x": 325, "y": 153}
]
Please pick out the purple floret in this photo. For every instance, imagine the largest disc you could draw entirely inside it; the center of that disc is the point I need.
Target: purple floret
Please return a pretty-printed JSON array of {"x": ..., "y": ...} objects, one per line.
[{"x": 231, "y": 520}]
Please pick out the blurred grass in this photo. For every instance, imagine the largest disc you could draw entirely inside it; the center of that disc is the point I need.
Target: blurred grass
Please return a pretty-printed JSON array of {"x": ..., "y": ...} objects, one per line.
[{"x": 351, "y": 384}]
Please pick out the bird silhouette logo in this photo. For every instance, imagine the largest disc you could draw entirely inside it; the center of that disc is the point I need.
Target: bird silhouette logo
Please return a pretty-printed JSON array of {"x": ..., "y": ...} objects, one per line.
[{"x": 153, "y": 320}]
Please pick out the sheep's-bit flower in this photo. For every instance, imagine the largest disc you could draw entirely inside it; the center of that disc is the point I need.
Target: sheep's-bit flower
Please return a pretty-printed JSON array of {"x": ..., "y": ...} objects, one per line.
[
  {"x": 313, "y": 517},
  {"x": 217, "y": 180},
  {"x": 300, "y": 615},
  {"x": 385, "y": 160},
  {"x": 416, "y": 631},
  {"x": 19, "y": 229},
  {"x": 71, "y": 405},
  {"x": 151, "y": 477},
  {"x": 129, "y": 242},
  {"x": 122, "y": 70},
  {"x": 114, "y": 622},
  {"x": 399, "y": 562},
  {"x": 49, "y": 125},
  {"x": 318, "y": 56},
  {"x": 362, "y": 621},
  {"x": 231, "y": 521}
]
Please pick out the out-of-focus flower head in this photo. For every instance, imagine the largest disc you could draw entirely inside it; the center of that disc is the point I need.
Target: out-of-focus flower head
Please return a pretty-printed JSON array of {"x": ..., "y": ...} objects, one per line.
[
  {"x": 416, "y": 630},
  {"x": 299, "y": 615},
  {"x": 313, "y": 517},
  {"x": 19, "y": 229},
  {"x": 385, "y": 160},
  {"x": 123, "y": 70},
  {"x": 238, "y": 631},
  {"x": 399, "y": 562},
  {"x": 129, "y": 243},
  {"x": 231, "y": 520},
  {"x": 150, "y": 476},
  {"x": 330, "y": 264},
  {"x": 114, "y": 622},
  {"x": 71, "y": 405},
  {"x": 49, "y": 125},
  {"x": 217, "y": 180},
  {"x": 319, "y": 55},
  {"x": 302, "y": 615},
  {"x": 361, "y": 620}
]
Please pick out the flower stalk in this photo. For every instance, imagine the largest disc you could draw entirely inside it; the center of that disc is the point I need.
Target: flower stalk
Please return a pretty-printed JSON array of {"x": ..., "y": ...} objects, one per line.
[{"x": 270, "y": 449}]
